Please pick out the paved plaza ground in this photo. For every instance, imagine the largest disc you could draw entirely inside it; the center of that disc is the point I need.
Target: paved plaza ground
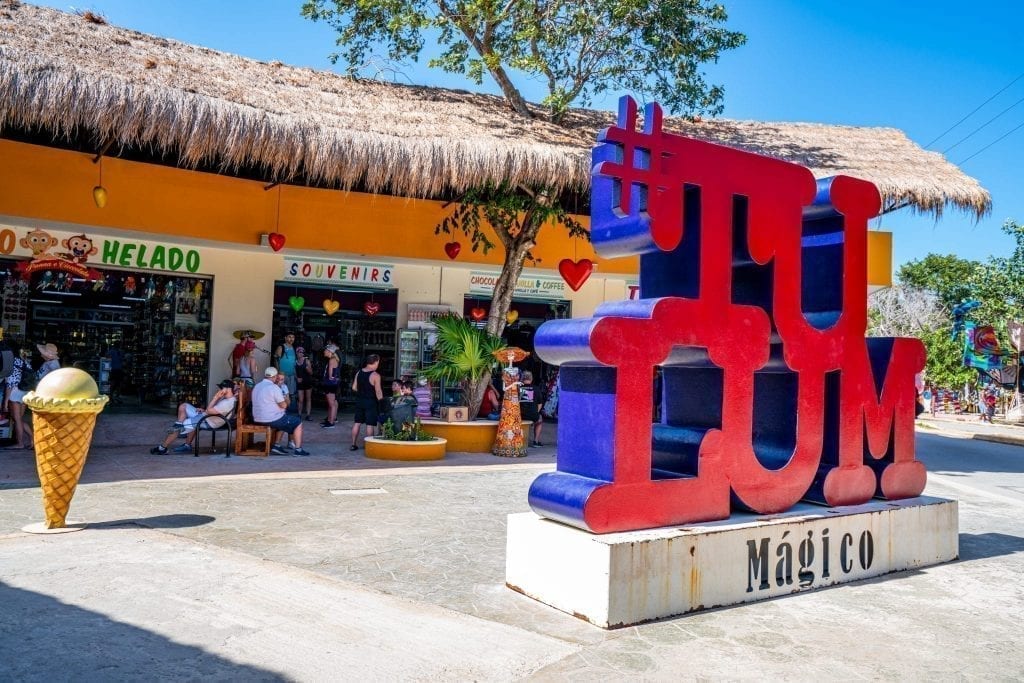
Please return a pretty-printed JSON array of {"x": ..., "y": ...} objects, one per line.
[{"x": 335, "y": 567}]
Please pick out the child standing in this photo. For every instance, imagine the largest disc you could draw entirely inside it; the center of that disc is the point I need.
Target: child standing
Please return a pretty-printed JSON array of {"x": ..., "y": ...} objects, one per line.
[{"x": 529, "y": 405}]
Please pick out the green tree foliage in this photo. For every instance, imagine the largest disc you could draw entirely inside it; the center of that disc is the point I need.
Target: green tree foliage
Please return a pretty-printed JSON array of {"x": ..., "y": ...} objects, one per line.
[
  {"x": 998, "y": 283},
  {"x": 577, "y": 49},
  {"x": 949, "y": 277}
]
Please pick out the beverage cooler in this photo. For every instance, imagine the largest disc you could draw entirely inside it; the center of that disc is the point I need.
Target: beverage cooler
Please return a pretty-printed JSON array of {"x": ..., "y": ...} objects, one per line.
[{"x": 415, "y": 350}]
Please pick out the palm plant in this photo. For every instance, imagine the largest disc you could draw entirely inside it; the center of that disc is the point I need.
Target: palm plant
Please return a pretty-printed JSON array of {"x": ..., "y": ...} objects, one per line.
[{"x": 464, "y": 356}]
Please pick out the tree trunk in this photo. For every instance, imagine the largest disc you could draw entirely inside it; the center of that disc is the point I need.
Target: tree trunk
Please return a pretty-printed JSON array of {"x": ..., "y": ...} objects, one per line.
[
  {"x": 505, "y": 285},
  {"x": 501, "y": 302},
  {"x": 512, "y": 95},
  {"x": 474, "y": 393}
]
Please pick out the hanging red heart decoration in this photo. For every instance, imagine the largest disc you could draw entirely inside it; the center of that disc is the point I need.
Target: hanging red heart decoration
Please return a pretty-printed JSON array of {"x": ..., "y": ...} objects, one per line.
[
  {"x": 276, "y": 241},
  {"x": 371, "y": 307},
  {"x": 478, "y": 313},
  {"x": 575, "y": 273},
  {"x": 452, "y": 249}
]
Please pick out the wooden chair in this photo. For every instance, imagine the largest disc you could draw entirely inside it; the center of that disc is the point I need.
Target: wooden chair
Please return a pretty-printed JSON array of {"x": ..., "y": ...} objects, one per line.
[
  {"x": 246, "y": 431},
  {"x": 214, "y": 424}
]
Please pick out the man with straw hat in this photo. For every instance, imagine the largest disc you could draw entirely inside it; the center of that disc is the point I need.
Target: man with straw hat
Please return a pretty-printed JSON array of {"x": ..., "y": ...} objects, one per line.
[{"x": 51, "y": 359}]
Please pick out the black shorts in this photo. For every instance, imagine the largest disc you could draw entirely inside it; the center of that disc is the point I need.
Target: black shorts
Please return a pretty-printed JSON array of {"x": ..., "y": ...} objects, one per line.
[
  {"x": 528, "y": 411},
  {"x": 286, "y": 423},
  {"x": 366, "y": 411}
]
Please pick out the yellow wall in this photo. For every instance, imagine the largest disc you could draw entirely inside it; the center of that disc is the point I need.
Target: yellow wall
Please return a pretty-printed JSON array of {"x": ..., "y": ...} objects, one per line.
[
  {"x": 55, "y": 185},
  {"x": 879, "y": 258}
]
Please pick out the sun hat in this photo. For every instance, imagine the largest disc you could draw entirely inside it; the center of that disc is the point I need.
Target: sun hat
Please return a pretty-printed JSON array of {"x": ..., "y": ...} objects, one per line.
[
  {"x": 48, "y": 351},
  {"x": 270, "y": 372}
]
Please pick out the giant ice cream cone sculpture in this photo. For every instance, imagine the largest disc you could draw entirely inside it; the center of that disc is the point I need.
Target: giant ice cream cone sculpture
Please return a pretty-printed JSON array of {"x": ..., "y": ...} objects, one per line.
[{"x": 64, "y": 409}]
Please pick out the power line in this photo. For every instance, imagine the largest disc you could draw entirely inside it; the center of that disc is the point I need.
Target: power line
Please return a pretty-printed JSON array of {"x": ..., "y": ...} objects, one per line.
[
  {"x": 979, "y": 128},
  {"x": 973, "y": 111},
  {"x": 1014, "y": 130}
]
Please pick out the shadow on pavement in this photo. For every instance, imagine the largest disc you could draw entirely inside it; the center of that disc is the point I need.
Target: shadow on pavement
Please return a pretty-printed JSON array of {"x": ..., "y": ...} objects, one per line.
[
  {"x": 982, "y": 546},
  {"x": 44, "y": 639},
  {"x": 180, "y": 521}
]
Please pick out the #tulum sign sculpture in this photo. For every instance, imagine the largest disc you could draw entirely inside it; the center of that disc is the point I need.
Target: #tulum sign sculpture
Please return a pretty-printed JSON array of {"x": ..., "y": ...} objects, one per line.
[{"x": 753, "y": 278}]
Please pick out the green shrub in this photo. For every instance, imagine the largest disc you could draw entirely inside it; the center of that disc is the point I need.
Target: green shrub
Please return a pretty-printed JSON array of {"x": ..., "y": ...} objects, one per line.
[{"x": 410, "y": 431}]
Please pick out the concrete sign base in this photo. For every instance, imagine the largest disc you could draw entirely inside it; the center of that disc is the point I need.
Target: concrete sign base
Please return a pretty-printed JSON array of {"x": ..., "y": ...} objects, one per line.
[{"x": 619, "y": 579}]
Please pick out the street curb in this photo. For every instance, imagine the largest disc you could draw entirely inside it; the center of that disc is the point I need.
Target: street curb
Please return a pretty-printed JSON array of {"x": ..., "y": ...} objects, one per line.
[{"x": 999, "y": 438}]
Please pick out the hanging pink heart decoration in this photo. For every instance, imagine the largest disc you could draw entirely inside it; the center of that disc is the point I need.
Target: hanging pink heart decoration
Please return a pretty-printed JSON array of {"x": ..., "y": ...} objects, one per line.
[
  {"x": 371, "y": 307},
  {"x": 575, "y": 273}
]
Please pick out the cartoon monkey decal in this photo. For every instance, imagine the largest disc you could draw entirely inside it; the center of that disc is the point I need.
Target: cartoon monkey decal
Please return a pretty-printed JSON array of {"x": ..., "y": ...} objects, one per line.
[
  {"x": 38, "y": 242},
  {"x": 81, "y": 248}
]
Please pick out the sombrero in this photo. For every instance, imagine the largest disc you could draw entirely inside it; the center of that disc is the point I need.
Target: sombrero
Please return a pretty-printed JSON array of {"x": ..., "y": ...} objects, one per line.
[
  {"x": 510, "y": 354},
  {"x": 255, "y": 334}
]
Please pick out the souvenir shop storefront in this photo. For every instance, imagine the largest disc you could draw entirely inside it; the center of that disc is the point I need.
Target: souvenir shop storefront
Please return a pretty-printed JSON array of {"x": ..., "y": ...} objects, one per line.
[{"x": 351, "y": 304}]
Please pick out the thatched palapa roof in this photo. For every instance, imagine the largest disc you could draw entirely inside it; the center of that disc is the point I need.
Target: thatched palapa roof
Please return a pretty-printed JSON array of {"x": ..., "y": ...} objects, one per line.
[{"x": 69, "y": 77}]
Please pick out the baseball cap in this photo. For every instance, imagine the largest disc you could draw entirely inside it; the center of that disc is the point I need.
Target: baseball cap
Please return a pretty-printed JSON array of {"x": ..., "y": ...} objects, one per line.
[
  {"x": 299, "y": 349},
  {"x": 270, "y": 372}
]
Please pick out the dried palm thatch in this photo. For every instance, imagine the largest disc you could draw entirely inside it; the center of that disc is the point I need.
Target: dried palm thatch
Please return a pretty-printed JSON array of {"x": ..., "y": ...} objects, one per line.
[{"x": 67, "y": 76}]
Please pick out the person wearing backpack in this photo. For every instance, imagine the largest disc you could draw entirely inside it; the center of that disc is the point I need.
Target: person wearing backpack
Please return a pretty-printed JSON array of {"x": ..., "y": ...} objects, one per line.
[{"x": 21, "y": 381}]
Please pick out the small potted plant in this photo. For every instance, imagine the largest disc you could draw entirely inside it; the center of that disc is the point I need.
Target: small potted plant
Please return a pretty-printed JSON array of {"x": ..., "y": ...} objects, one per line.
[{"x": 408, "y": 442}]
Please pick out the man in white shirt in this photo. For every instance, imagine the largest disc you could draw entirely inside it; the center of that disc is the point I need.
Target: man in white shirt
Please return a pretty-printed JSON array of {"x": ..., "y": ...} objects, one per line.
[{"x": 269, "y": 404}]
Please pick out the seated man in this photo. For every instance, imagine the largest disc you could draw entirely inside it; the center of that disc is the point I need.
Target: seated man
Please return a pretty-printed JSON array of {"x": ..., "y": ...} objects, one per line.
[
  {"x": 189, "y": 416},
  {"x": 269, "y": 406}
]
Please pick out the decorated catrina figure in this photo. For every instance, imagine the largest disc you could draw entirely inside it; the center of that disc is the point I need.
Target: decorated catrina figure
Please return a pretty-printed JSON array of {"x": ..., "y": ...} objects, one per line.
[{"x": 510, "y": 441}]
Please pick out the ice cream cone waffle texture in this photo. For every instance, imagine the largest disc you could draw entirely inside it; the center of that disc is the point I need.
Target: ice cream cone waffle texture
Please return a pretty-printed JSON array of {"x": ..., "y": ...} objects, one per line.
[{"x": 64, "y": 407}]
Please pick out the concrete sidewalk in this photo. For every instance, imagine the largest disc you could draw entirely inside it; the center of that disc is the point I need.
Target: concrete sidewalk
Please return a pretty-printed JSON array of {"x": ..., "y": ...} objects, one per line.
[
  {"x": 971, "y": 427},
  {"x": 333, "y": 567}
]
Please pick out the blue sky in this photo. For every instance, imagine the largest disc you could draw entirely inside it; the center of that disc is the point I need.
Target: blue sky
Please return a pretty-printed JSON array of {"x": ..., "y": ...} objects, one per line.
[{"x": 916, "y": 65}]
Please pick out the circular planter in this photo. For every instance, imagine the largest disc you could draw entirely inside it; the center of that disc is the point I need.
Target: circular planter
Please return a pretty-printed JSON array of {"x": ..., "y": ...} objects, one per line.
[
  {"x": 386, "y": 449},
  {"x": 475, "y": 436}
]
